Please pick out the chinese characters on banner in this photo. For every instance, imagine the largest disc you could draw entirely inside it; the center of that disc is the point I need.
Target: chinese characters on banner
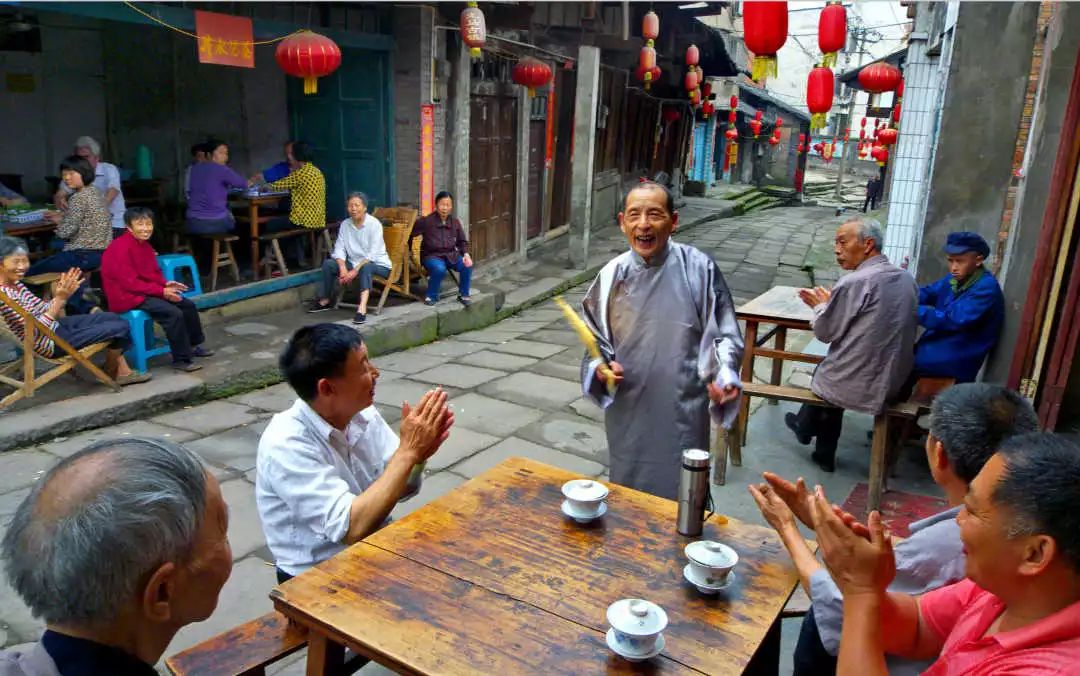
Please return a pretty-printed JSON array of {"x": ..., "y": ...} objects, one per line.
[
  {"x": 225, "y": 40},
  {"x": 427, "y": 158}
]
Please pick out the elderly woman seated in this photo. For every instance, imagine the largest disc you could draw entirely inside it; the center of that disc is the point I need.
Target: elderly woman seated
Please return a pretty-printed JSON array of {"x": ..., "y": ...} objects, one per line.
[{"x": 78, "y": 330}]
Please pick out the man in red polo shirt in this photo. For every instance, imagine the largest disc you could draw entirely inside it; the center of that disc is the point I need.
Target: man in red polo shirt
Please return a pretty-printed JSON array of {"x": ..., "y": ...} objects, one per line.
[{"x": 1018, "y": 611}]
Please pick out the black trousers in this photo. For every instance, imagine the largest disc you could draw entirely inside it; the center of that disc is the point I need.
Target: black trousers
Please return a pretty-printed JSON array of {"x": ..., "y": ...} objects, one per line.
[
  {"x": 824, "y": 424},
  {"x": 180, "y": 321},
  {"x": 811, "y": 658},
  {"x": 83, "y": 330}
]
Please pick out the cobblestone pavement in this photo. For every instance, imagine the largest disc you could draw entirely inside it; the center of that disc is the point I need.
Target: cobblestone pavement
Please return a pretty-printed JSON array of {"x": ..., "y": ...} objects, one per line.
[{"x": 514, "y": 390}]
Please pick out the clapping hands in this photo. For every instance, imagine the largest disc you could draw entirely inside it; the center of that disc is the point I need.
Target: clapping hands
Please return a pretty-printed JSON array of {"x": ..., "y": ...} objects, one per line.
[
  {"x": 426, "y": 427},
  {"x": 859, "y": 558}
]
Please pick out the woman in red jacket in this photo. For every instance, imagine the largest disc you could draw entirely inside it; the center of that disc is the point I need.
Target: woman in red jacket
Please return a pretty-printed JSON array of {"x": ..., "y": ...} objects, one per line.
[{"x": 132, "y": 280}]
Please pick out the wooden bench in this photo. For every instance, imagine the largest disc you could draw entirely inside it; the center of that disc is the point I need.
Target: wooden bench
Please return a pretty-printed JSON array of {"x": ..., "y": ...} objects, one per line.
[
  {"x": 277, "y": 258},
  {"x": 880, "y": 458},
  {"x": 246, "y": 649},
  {"x": 222, "y": 257}
]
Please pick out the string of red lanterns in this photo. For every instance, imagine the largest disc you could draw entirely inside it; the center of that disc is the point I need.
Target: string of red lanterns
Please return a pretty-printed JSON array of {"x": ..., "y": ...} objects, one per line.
[{"x": 648, "y": 71}]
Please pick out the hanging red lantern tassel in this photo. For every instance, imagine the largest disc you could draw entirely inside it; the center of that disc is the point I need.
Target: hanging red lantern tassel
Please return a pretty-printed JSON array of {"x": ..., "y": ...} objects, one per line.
[
  {"x": 764, "y": 32},
  {"x": 879, "y": 77},
  {"x": 531, "y": 73},
  {"x": 819, "y": 95},
  {"x": 473, "y": 29},
  {"x": 309, "y": 56},
  {"x": 832, "y": 32}
]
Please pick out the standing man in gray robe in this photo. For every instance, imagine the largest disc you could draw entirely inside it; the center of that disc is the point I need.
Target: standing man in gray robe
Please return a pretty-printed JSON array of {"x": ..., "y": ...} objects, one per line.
[
  {"x": 869, "y": 320},
  {"x": 666, "y": 327}
]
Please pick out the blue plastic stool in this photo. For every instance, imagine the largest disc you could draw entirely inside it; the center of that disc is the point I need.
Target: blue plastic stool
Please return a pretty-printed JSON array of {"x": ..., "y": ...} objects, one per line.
[
  {"x": 144, "y": 344},
  {"x": 172, "y": 264}
]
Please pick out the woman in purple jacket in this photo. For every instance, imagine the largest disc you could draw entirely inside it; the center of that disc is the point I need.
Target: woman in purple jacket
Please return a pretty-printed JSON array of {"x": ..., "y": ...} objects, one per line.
[{"x": 208, "y": 208}]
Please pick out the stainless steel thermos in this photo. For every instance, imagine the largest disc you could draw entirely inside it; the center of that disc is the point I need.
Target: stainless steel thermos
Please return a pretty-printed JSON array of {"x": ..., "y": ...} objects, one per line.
[{"x": 693, "y": 492}]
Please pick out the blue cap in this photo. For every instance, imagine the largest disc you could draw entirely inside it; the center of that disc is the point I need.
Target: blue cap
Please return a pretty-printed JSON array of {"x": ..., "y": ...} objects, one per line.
[{"x": 962, "y": 242}]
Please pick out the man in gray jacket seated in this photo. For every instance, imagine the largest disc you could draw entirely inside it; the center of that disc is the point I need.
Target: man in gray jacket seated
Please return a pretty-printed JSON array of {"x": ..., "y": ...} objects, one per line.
[
  {"x": 116, "y": 548},
  {"x": 968, "y": 423}
]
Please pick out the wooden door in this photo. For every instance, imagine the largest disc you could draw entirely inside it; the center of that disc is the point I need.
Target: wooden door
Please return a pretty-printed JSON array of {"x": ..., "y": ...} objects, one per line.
[
  {"x": 347, "y": 122},
  {"x": 492, "y": 175},
  {"x": 537, "y": 141},
  {"x": 565, "y": 83}
]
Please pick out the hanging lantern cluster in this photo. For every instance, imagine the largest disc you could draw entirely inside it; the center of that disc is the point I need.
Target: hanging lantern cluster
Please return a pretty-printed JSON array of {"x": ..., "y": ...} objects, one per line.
[
  {"x": 879, "y": 77},
  {"x": 765, "y": 28},
  {"x": 473, "y": 29},
  {"x": 707, "y": 106},
  {"x": 802, "y": 144},
  {"x": 775, "y": 138},
  {"x": 731, "y": 134},
  {"x": 755, "y": 124},
  {"x": 832, "y": 32},
  {"x": 819, "y": 95},
  {"x": 648, "y": 71},
  {"x": 694, "y": 77},
  {"x": 531, "y": 73},
  {"x": 309, "y": 56}
]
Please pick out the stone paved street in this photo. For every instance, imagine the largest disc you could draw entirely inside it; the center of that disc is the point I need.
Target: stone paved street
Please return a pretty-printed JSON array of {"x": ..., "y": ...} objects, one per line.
[{"x": 514, "y": 390}]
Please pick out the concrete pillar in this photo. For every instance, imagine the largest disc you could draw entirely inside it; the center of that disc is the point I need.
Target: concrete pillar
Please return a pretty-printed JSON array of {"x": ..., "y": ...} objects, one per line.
[
  {"x": 458, "y": 124},
  {"x": 521, "y": 222},
  {"x": 581, "y": 169}
]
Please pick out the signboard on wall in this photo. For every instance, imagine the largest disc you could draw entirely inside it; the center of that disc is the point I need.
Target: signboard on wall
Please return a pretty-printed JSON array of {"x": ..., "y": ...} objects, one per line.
[
  {"x": 225, "y": 40},
  {"x": 427, "y": 158}
]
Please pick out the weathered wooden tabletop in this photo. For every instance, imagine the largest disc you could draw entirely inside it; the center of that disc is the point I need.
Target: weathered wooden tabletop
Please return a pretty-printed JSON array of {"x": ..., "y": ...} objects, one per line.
[
  {"x": 779, "y": 302},
  {"x": 492, "y": 578}
]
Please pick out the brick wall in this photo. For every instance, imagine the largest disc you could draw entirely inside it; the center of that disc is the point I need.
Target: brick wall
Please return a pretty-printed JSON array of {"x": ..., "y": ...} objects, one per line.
[
  {"x": 412, "y": 72},
  {"x": 1008, "y": 216}
]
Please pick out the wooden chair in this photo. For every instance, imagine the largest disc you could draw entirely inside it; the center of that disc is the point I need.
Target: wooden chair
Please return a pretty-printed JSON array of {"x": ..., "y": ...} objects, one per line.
[
  {"x": 222, "y": 258},
  {"x": 30, "y": 380},
  {"x": 396, "y": 238}
]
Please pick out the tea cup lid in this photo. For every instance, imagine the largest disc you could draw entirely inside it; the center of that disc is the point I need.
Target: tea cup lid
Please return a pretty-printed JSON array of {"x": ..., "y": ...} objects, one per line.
[
  {"x": 637, "y": 617},
  {"x": 585, "y": 490},
  {"x": 711, "y": 554}
]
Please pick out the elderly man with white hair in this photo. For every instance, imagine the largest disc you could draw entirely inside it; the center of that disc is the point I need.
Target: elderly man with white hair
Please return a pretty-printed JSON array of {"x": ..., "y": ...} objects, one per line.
[
  {"x": 106, "y": 180},
  {"x": 116, "y": 548},
  {"x": 869, "y": 320}
]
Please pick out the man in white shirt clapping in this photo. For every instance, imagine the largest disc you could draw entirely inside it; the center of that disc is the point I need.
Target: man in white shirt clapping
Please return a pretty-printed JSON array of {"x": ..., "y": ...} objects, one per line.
[
  {"x": 359, "y": 252},
  {"x": 329, "y": 469}
]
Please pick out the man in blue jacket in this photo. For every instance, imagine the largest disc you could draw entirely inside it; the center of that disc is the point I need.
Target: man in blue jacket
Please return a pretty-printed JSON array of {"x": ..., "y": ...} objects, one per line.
[{"x": 962, "y": 313}]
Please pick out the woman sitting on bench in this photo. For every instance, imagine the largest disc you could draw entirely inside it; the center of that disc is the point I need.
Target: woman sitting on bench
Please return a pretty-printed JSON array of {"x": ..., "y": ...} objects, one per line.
[{"x": 77, "y": 330}]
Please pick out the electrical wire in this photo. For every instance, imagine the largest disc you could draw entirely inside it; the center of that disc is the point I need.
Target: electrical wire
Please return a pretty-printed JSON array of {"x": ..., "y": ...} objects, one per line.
[{"x": 181, "y": 31}]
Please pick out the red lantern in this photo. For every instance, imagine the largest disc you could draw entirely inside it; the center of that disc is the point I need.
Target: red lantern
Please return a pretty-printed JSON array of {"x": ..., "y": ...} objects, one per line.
[
  {"x": 896, "y": 113},
  {"x": 773, "y": 140},
  {"x": 755, "y": 126},
  {"x": 819, "y": 95},
  {"x": 692, "y": 55},
  {"x": 900, "y": 90},
  {"x": 708, "y": 109},
  {"x": 731, "y": 117},
  {"x": 531, "y": 73},
  {"x": 473, "y": 29},
  {"x": 671, "y": 114},
  {"x": 734, "y": 102},
  {"x": 308, "y": 55},
  {"x": 862, "y": 151},
  {"x": 887, "y": 137},
  {"x": 695, "y": 97},
  {"x": 653, "y": 75},
  {"x": 706, "y": 89},
  {"x": 802, "y": 143},
  {"x": 647, "y": 60},
  {"x": 764, "y": 32},
  {"x": 650, "y": 26},
  {"x": 827, "y": 152},
  {"x": 879, "y": 77},
  {"x": 690, "y": 81},
  {"x": 731, "y": 134},
  {"x": 779, "y": 122},
  {"x": 832, "y": 32}
]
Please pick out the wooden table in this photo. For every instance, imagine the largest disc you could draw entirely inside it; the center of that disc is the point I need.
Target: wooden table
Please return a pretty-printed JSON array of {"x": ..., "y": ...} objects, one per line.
[
  {"x": 493, "y": 579},
  {"x": 782, "y": 307},
  {"x": 252, "y": 202},
  {"x": 40, "y": 227}
]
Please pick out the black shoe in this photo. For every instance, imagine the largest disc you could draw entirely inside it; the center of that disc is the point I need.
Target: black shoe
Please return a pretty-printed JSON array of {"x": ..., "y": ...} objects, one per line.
[
  {"x": 359, "y": 318},
  {"x": 202, "y": 351},
  {"x": 187, "y": 366},
  {"x": 318, "y": 307},
  {"x": 826, "y": 462},
  {"x": 792, "y": 422},
  {"x": 464, "y": 301},
  {"x": 430, "y": 301}
]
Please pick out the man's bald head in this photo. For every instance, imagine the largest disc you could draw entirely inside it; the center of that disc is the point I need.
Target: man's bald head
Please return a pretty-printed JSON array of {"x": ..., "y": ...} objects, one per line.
[
  {"x": 98, "y": 522},
  {"x": 669, "y": 199}
]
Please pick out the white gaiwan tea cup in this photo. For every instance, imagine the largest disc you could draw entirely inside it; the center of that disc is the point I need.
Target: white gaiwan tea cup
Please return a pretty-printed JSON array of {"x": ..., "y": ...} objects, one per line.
[
  {"x": 584, "y": 497},
  {"x": 711, "y": 562},
  {"x": 636, "y": 625}
]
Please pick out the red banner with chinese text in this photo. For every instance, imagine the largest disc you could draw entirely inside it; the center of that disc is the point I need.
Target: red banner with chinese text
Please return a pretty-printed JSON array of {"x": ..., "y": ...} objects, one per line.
[
  {"x": 225, "y": 40},
  {"x": 427, "y": 159}
]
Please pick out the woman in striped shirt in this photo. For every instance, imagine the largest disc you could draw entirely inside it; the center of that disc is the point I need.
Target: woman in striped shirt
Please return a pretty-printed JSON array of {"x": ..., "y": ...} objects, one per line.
[{"x": 77, "y": 330}]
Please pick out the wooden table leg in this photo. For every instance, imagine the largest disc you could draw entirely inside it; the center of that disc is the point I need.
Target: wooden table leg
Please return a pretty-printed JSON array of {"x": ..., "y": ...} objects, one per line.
[
  {"x": 738, "y": 439},
  {"x": 778, "y": 364},
  {"x": 877, "y": 461},
  {"x": 324, "y": 657},
  {"x": 253, "y": 214}
]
